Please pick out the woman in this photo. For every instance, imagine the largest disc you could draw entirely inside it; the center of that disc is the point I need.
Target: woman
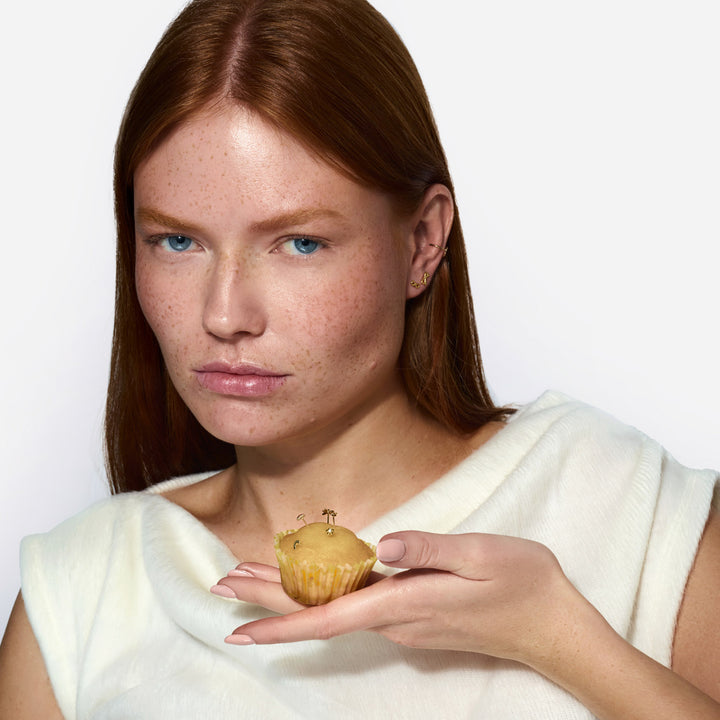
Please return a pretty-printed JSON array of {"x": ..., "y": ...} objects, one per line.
[{"x": 294, "y": 323}]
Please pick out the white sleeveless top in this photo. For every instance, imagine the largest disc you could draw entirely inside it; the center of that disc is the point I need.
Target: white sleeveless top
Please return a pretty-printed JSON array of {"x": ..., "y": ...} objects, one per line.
[{"x": 119, "y": 599}]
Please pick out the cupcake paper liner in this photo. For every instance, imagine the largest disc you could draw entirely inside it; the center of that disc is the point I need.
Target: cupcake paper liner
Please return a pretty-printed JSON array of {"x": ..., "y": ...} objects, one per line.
[{"x": 314, "y": 583}]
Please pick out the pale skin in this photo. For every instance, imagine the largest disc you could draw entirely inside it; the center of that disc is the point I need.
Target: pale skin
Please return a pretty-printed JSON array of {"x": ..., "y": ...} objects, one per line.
[{"x": 226, "y": 209}]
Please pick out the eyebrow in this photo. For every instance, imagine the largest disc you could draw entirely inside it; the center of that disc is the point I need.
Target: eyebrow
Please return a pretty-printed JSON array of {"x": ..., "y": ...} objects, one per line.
[
  {"x": 276, "y": 222},
  {"x": 295, "y": 217},
  {"x": 149, "y": 215}
]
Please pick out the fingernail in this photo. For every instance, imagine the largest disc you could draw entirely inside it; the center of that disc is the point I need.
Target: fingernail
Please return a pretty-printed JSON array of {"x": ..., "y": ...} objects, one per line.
[
  {"x": 239, "y": 640},
  {"x": 223, "y": 591},
  {"x": 240, "y": 573},
  {"x": 390, "y": 550}
]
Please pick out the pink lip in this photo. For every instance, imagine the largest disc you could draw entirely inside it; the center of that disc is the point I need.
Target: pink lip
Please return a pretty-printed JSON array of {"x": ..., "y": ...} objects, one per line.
[{"x": 243, "y": 380}]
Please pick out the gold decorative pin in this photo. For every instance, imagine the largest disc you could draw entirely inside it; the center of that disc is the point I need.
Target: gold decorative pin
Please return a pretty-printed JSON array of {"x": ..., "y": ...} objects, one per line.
[{"x": 329, "y": 514}]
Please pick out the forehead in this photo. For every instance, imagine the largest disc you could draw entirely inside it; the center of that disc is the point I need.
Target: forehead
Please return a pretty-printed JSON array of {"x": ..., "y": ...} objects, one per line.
[
  {"x": 229, "y": 160},
  {"x": 228, "y": 147}
]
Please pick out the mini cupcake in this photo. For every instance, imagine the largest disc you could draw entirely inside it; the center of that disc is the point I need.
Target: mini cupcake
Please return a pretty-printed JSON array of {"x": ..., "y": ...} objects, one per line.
[{"x": 322, "y": 561}]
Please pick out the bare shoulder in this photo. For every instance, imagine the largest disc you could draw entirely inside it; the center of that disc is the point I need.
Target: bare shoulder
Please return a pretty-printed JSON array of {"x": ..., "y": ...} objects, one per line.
[
  {"x": 696, "y": 651},
  {"x": 25, "y": 690}
]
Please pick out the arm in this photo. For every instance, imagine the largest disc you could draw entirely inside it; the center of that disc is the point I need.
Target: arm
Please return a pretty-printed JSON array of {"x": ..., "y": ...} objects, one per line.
[
  {"x": 495, "y": 595},
  {"x": 696, "y": 651},
  {"x": 616, "y": 681},
  {"x": 25, "y": 690},
  {"x": 696, "y": 655}
]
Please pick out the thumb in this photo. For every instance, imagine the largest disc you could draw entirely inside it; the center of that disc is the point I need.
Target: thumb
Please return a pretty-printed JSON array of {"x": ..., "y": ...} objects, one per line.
[{"x": 457, "y": 554}]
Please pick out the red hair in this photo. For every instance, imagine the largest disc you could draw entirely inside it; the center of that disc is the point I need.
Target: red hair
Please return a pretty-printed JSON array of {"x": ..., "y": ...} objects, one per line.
[{"x": 335, "y": 75}]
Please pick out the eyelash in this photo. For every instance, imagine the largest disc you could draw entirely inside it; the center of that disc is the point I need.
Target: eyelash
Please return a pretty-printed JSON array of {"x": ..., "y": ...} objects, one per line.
[
  {"x": 164, "y": 240},
  {"x": 303, "y": 238},
  {"x": 159, "y": 240}
]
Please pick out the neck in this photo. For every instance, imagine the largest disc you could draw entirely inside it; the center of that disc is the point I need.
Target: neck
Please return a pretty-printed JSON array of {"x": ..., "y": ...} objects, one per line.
[{"x": 361, "y": 468}]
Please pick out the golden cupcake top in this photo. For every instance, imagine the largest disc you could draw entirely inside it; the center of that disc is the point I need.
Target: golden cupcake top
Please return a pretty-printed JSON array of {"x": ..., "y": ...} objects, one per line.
[{"x": 323, "y": 542}]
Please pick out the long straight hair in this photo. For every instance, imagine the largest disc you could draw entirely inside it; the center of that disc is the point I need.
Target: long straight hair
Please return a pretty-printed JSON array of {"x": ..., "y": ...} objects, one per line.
[{"x": 336, "y": 76}]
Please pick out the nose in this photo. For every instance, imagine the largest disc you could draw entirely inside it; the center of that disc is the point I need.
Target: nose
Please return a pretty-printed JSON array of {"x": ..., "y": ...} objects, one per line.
[{"x": 233, "y": 300}]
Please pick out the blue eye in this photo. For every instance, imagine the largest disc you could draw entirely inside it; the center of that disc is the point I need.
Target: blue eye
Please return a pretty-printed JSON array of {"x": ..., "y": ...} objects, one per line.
[
  {"x": 303, "y": 245},
  {"x": 177, "y": 243}
]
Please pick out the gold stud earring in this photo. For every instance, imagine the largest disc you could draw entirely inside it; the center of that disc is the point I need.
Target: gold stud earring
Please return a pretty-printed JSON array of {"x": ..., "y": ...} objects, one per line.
[{"x": 420, "y": 284}]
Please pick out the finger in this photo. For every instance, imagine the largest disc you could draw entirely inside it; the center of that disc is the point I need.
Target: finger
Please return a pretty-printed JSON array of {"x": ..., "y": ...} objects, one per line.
[
  {"x": 359, "y": 610},
  {"x": 256, "y": 570},
  {"x": 233, "y": 587},
  {"x": 266, "y": 593},
  {"x": 464, "y": 555},
  {"x": 374, "y": 577}
]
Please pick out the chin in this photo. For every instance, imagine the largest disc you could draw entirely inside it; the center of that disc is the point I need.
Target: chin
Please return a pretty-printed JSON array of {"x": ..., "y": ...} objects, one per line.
[{"x": 247, "y": 435}]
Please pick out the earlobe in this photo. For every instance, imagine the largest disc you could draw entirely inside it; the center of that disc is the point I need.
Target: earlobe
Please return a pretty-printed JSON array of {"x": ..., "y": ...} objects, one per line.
[
  {"x": 423, "y": 282},
  {"x": 431, "y": 227}
]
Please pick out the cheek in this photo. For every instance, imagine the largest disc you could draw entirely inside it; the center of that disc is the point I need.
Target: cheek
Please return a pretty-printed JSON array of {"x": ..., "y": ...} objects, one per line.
[
  {"x": 161, "y": 302},
  {"x": 153, "y": 302},
  {"x": 358, "y": 322}
]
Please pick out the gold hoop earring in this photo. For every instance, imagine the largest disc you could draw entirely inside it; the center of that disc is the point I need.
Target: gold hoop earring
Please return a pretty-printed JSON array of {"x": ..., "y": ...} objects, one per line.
[
  {"x": 420, "y": 284},
  {"x": 439, "y": 247}
]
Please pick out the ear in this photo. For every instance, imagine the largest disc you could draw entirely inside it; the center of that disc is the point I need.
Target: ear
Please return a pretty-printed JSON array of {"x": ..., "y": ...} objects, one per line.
[{"x": 429, "y": 231}]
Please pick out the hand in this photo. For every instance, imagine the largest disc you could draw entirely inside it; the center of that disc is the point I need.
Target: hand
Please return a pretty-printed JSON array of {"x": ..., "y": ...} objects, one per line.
[{"x": 490, "y": 594}]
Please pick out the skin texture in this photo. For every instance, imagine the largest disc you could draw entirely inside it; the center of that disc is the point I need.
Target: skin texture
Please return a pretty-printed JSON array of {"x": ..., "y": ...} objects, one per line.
[
  {"x": 25, "y": 690},
  {"x": 220, "y": 206},
  {"x": 696, "y": 652}
]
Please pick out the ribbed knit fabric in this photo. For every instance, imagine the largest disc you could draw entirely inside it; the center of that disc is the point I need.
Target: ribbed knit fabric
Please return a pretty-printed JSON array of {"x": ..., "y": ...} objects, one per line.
[{"x": 118, "y": 595}]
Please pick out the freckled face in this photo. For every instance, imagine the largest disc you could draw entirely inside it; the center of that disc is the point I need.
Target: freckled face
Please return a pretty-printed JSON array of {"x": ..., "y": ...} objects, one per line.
[{"x": 275, "y": 285}]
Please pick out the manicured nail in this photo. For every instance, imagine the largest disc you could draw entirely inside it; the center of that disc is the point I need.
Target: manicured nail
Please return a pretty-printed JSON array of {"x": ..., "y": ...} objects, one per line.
[
  {"x": 223, "y": 591},
  {"x": 239, "y": 640},
  {"x": 390, "y": 550},
  {"x": 239, "y": 573}
]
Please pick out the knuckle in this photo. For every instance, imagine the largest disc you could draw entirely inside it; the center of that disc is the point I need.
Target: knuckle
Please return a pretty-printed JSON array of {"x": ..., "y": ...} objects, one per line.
[
  {"x": 324, "y": 623},
  {"x": 407, "y": 640},
  {"x": 427, "y": 553}
]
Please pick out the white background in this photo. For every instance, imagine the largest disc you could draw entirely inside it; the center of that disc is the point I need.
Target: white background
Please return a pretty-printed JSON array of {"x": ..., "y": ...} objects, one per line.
[{"x": 583, "y": 137}]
